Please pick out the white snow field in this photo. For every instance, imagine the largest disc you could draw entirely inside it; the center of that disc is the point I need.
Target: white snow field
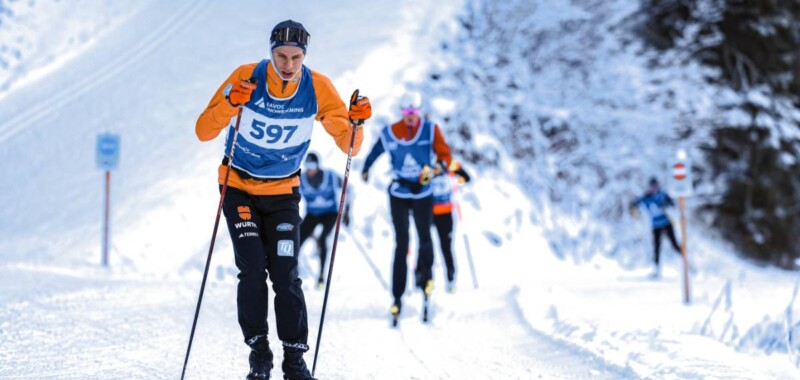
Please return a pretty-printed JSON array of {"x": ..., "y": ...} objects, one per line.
[{"x": 146, "y": 71}]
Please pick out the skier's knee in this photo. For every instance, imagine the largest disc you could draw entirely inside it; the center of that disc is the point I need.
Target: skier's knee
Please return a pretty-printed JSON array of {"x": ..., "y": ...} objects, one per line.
[{"x": 253, "y": 275}]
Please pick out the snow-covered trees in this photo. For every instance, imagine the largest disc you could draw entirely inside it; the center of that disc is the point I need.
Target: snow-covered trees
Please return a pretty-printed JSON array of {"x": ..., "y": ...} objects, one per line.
[
  {"x": 753, "y": 153},
  {"x": 558, "y": 95},
  {"x": 584, "y": 100}
]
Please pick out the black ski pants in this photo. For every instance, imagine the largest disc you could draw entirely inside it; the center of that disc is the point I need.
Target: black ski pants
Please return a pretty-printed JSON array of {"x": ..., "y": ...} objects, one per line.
[
  {"x": 265, "y": 236},
  {"x": 422, "y": 211},
  {"x": 657, "y": 241},
  {"x": 444, "y": 228},
  {"x": 310, "y": 222}
]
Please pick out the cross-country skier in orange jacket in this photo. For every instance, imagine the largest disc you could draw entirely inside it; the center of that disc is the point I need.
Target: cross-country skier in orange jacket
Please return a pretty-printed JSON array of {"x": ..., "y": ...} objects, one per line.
[{"x": 279, "y": 107}]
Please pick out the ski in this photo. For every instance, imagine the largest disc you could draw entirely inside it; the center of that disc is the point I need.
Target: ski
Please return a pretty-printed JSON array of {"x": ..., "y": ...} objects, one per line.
[{"x": 425, "y": 306}]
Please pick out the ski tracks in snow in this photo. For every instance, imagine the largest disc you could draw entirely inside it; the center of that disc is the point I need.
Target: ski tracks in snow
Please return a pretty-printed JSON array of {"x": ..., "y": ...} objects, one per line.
[
  {"x": 34, "y": 113},
  {"x": 473, "y": 334},
  {"x": 477, "y": 334}
]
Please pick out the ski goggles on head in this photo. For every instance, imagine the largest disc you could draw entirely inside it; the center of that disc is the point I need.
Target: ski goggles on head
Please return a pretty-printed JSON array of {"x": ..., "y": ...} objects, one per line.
[
  {"x": 311, "y": 166},
  {"x": 289, "y": 34},
  {"x": 410, "y": 111}
]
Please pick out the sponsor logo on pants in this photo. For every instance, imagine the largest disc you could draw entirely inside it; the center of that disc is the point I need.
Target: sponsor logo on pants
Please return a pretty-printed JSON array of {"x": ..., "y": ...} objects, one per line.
[
  {"x": 298, "y": 346},
  {"x": 244, "y": 212},
  {"x": 245, "y": 225},
  {"x": 286, "y": 248},
  {"x": 284, "y": 227}
]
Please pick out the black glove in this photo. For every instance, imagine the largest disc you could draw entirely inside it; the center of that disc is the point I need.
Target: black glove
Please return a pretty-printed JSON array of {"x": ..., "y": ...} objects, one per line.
[
  {"x": 365, "y": 175},
  {"x": 463, "y": 174}
]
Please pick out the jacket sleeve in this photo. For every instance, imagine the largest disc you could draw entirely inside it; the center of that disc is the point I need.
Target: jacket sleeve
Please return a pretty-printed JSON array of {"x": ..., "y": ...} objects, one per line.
[
  {"x": 332, "y": 113},
  {"x": 440, "y": 146},
  {"x": 219, "y": 112},
  {"x": 373, "y": 155}
]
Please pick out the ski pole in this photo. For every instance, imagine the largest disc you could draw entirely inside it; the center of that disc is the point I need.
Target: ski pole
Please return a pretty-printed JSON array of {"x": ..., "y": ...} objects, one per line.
[
  {"x": 214, "y": 232},
  {"x": 466, "y": 240},
  {"x": 355, "y": 124},
  {"x": 371, "y": 263}
]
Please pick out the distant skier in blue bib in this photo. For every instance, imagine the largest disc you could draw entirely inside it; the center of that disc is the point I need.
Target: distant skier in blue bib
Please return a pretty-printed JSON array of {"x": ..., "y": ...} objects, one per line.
[
  {"x": 320, "y": 190},
  {"x": 413, "y": 145},
  {"x": 654, "y": 202}
]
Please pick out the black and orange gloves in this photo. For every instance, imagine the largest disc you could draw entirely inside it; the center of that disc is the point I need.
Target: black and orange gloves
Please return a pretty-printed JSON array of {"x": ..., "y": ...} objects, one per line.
[
  {"x": 360, "y": 108},
  {"x": 240, "y": 93},
  {"x": 454, "y": 168},
  {"x": 460, "y": 173}
]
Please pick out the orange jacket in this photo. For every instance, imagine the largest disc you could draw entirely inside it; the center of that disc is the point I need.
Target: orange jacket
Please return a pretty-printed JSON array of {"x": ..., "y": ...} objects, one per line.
[{"x": 332, "y": 113}]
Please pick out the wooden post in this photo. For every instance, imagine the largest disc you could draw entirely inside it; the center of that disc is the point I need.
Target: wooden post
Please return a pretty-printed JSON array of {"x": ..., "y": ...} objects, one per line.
[{"x": 687, "y": 299}]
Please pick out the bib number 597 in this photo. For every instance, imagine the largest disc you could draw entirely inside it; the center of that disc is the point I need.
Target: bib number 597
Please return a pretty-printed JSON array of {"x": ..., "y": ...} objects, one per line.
[{"x": 272, "y": 133}]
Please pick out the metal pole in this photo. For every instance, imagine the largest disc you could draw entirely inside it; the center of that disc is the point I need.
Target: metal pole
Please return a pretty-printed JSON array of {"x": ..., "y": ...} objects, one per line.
[
  {"x": 213, "y": 239},
  {"x": 335, "y": 241},
  {"x": 466, "y": 240}
]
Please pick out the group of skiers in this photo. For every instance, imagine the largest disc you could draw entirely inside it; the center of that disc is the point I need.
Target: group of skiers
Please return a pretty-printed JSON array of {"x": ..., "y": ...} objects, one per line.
[{"x": 268, "y": 109}]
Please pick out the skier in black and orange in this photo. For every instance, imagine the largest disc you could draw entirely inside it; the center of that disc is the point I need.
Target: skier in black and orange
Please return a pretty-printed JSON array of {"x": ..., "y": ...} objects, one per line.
[
  {"x": 280, "y": 99},
  {"x": 411, "y": 144}
]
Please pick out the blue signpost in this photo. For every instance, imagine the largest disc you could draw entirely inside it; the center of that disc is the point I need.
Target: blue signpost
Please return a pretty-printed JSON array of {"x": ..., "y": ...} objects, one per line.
[{"x": 107, "y": 155}]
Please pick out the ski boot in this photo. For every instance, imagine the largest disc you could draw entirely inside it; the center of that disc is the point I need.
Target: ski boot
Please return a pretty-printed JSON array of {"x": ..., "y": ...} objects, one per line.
[
  {"x": 427, "y": 290},
  {"x": 656, "y": 274},
  {"x": 451, "y": 287},
  {"x": 294, "y": 367},
  {"x": 320, "y": 283},
  {"x": 395, "y": 312},
  {"x": 260, "y": 358}
]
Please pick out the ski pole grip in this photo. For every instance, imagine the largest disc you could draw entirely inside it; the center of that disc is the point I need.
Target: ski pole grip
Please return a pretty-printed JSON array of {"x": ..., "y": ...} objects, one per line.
[{"x": 354, "y": 101}]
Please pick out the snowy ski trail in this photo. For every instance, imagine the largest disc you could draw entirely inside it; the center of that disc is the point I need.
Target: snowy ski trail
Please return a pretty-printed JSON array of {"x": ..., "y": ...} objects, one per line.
[{"x": 107, "y": 328}]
